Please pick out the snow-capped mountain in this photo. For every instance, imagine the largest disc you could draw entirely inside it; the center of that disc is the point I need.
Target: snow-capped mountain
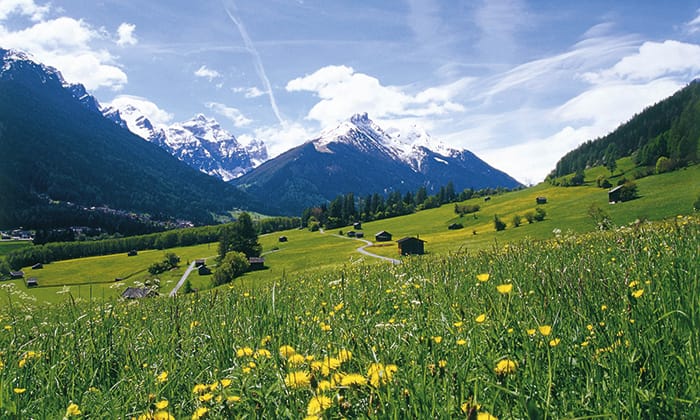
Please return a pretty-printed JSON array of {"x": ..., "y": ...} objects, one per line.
[
  {"x": 359, "y": 156},
  {"x": 200, "y": 142}
]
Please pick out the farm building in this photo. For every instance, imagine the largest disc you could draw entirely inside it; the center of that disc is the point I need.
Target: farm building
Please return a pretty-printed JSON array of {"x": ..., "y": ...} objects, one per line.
[
  {"x": 541, "y": 200},
  {"x": 282, "y": 239},
  {"x": 351, "y": 234},
  {"x": 382, "y": 236},
  {"x": 199, "y": 262},
  {"x": 203, "y": 270},
  {"x": 357, "y": 226},
  {"x": 37, "y": 266},
  {"x": 411, "y": 246},
  {"x": 138, "y": 293},
  {"x": 256, "y": 263},
  {"x": 32, "y": 282},
  {"x": 614, "y": 194},
  {"x": 16, "y": 274},
  {"x": 455, "y": 226},
  {"x": 132, "y": 253},
  {"x": 359, "y": 235}
]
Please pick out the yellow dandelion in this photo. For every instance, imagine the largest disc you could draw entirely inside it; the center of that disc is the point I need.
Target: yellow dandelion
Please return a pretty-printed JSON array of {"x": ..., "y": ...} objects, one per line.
[
  {"x": 200, "y": 413},
  {"x": 633, "y": 284},
  {"x": 286, "y": 351},
  {"x": 246, "y": 370},
  {"x": 163, "y": 415},
  {"x": 483, "y": 277},
  {"x": 22, "y": 362},
  {"x": 505, "y": 367},
  {"x": 206, "y": 397},
  {"x": 194, "y": 324},
  {"x": 160, "y": 405},
  {"x": 379, "y": 374},
  {"x": 244, "y": 351},
  {"x": 442, "y": 363},
  {"x": 485, "y": 416},
  {"x": 72, "y": 410},
  {"x": 638, "y": 293},
  {"x": 344, "y": 355},
  {"x": 318, "y": 404},
  {"x": 324, "y": 385},
  {"x": 20, "y": 390},
  {"x": 437, "y": 339},
  {"x": 259, "y": 353},
  {"x": 8, "y": 327},
  {"x": 200, "y": 388},
  {"x": 461, "y": 342},
  {"x": 458, "y": 324},
  {"x": 531, "y": 331},
  {"x": 603, "y": 307},
  {"x": 589, "y": 327},
  {"x": 545, "y": 330},
  {"x": 353, "y": 379},
  {"x": 297, "y": 379},
  {"x": 338, "y": 307},
  {"x": 555, "y": 342},
  {"x": 233, "y": 399},
  {"x": 504, "y": 289},
  {"x": 584, "y": 344},
  {"x": 481, "y": 318},
  {"x": 162, "y": 377}
]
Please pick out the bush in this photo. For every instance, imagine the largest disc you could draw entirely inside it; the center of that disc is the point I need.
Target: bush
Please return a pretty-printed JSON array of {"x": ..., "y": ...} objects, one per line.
[
  {"x": 498, "y": 223},
  {"x": 664, "y": 164},
  {"x": 600, "y": 217},
  {"x": 517, "y": 219},
  {"x": 628, "y": 191},
  {"x": 540, "y": 214},
  {"x": 314, "y": 227},
  {"x": 233, "y": 265},
  {"x": 530, "y": 217}
]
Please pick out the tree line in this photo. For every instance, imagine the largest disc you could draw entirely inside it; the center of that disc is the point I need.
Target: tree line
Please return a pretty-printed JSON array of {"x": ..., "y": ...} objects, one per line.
[{"x": 346, "y": 209}]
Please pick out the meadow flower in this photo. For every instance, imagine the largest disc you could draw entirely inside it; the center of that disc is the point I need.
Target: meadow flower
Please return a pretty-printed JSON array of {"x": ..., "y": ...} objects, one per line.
[
  {"x": 233, "y": 399},
  {"x": 353, "y": 379},
  {"x": 483, "y": 277},
  {"x": 244, "y": 351},
  {"x": 545, "y": 330},
  {"x": 437, "y": 339},
  {"x": 461, "y": 342},
  {"x": 199, "y": 413},
  {"x": 554, "y": 342},
  {"x": 324, "y": 385},
  {"x": 481, "y": 318},
  {"x": 318, "y": 404},
  {"x": 638, "y": 293},
  {"x": 206, "y": 397},
  {"x": 162, "y": 377},
  {"x": 297, "y": 379},
  {"x": 442, "y": 363},
  {"x": 72, "y": 410},
  {"x": 531, "y": 331},
  {"x": 379, "y": 374},
  {"x": 225, "y": 382},
  {"x": 262, "y": 353},
  {"x": 20, "y": 390},
  {"x": 162, "y": 415},
  {"x": 194, "y": 324},
  {"x": 603, "y": 307},
  {"x": 344, "y": 355},
  {"x": 458, "y": 324},
  {"x": 286, "y": 351},
  {"x": 504, "y": 289},
  {"x": 633, "y": 284},
  {"x": 505, "y": 367},
  {"x": 200, "y": 388},
  {"x": 485, "y": 416}
]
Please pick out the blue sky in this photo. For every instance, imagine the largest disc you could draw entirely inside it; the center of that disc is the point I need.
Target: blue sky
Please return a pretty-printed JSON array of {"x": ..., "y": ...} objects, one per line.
[{"x": 518, "y": 82}]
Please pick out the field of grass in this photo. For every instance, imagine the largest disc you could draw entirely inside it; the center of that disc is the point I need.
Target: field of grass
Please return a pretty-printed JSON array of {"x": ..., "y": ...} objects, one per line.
[
  {"x": 8, "y": 246},
  {"x": 598, "y": 325}
]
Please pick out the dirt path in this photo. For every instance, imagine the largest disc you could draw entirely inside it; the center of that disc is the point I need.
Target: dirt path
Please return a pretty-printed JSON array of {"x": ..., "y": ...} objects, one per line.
[
  {"x": 182, "y": 279},
  {"x": 362, "y": 249}
]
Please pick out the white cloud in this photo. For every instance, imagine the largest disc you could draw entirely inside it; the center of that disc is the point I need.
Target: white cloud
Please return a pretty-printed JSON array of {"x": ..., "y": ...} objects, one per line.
[
  {"x": 65, "y": 43},
  {"x": 280, "y": 138},
  {"x": 233, "y": 114},
  {"x": 204, "y": 71},
  {"x": 150, "y": 110},
  {"x": 344, "y": 92},
  {"x": 126, "y": 34},
  {"x": 24, "y": 8},
  {"x": 251, "y": 92},
  {"x": 694, "y": 25}
]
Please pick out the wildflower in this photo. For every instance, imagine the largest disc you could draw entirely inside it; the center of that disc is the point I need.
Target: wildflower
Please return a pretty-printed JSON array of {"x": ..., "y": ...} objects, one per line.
[
  {"x": 72, "y": 410},
  {"x": 324, "y": 385},
  {"x": 638, "y": 293},
  {"x": 200, "y": 388},
  {"x": 589, "y": 327},
  {"x": 262, "y": 353},
  {"x": 458, "y": 324},
  {"x": 20, "y": 390},
  {"x": 584, "y": 344},
  {"x": 633, "y": 284},
  {"x": 505, "y": 367},
  {"x": 344, "y": 355},
  {"x": 442, "y": 363},
  {"x": 206, "y": 397},
  {"x": 437, "y": 339},
  {"x": 379, "y": 374},
  {"x": 554, "y": 342},
  {"x": 194, "y": 324},
  {"x": 160, "y": 405},
  {"x": 297, "y": 379},
  {"x": 545, "y": 330},
  {"x": 504, "y": 288},
  {"x": 265, "y": 340},
  {"x": 338, "y": 307},
  {"x": 244, "y": 351},
  {"x": 326, "y": 366},
  {"x": 485, "y": 416},
  {"x": 286, "y": 351},
  {"x": 603, "y": 307},
  {"x": 482, "y": 277},
  {"x": 481, "y": 318},
  {"x": 318, "y": 404},
  {"x": 531, "y": 331},
  {"x": 200, "y": 413},
  {"x": 162, "y": 377},
  {"x": 353, "y": 379},
  {"x": 8, "y": 327},
  {"x": 233, "y": 399},
  {"x": 163, "y": 415},
  {"x": 461, "y": 342}
]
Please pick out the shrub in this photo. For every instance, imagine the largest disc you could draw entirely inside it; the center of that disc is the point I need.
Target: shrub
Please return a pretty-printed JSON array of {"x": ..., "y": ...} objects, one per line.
[
  {"x": 498, "y": 223},
  {"x": 628, "y": 191},
  {"x": 540, "y": 214},
  {"x": 233, "y": 265},
  {"x": 664, "y": 164},
  {"x": 517, "y": 219},
  {"x": 600, "y": 217},
  {"x": 530, "y": 217}
]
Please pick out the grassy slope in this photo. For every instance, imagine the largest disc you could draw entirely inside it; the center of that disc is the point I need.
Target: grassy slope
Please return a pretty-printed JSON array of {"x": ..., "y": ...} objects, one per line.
[
  {"x": 660, "y": 196},
  {"x": 8, "y": 246}
]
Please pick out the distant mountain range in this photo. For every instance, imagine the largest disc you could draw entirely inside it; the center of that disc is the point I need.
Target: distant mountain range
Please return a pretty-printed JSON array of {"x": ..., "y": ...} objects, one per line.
[
  {"x": 199, "y": 142},
  {"x": 61, "y": 157},
  {"x": 359, "y": 156}
]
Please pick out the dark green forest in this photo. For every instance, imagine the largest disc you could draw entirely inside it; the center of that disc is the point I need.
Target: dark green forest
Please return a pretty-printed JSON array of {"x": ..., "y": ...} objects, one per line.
[{"x": 669, "y": 129}]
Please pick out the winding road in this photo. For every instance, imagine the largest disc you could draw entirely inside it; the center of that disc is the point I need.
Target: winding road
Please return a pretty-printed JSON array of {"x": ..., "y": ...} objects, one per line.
[
  {"x": 362, "y": 249},
  {"x": 182, "y": 279}
]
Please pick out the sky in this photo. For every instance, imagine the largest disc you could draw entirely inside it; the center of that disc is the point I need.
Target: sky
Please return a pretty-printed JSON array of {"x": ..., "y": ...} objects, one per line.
[{"x": 520, "y": 83}]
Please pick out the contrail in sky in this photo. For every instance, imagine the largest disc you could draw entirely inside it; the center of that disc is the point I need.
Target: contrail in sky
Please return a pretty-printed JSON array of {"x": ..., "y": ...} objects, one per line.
[{"x": 259, "y": 69}]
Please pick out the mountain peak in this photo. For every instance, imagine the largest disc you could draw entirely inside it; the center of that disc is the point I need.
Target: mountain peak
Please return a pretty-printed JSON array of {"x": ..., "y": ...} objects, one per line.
[{"x": 360, "y": 119}]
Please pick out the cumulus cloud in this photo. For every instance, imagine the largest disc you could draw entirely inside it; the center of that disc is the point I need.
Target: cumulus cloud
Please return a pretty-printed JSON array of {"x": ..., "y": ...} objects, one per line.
[
  {"x": 204, "y": 71},
  {"x": 126, "y": 34},
  {"x": 279, "y": 138},
  {"x": 23, "y": 8},
  {"x": 150, "y": 110},
  {"x": 233, "y": 114},
  {"x": 66, "y": 43},
  {"x": 344, "y": 92}
]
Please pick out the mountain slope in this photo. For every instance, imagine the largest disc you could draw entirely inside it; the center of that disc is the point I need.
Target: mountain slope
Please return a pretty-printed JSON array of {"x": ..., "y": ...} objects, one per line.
[
  {"x": 56, "y": 146},
  {"x": 200, "y": 142},
  {"x": 668, "y": 128},
  {"x": 359, "y": 156}
]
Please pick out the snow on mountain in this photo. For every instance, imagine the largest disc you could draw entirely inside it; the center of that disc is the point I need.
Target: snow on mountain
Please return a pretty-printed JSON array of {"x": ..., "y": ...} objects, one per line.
[{"x": 200, "y": 142}]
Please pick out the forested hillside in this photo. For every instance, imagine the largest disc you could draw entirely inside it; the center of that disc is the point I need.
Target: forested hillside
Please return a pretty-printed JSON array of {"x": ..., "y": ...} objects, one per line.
[{"x": 670, "y": 128}]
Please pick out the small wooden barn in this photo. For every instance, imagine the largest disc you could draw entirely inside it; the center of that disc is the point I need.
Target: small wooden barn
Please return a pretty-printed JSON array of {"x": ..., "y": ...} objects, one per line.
[
  {"x": 357, "y": 226},
  {"x": 32, "y": 282},
  {"x": 203, "y": 270},
  {"x": 541, "y": 200},
  {"x": 455, "y": 226},
  {"x": 382, "y": 236},
  {"x": 199, "y": 262},
  {"x": 411, "y": 246},
  {"x": 256, "y": 263},
  {"x": 132, "y": 253},
  {"x": 614, "y": 194},
  {"x": 351, "y": 234},
  {"x": 282, "y": 239},
  {"x": 37, "y": 266},
  {"x": 16, "y": 274}
]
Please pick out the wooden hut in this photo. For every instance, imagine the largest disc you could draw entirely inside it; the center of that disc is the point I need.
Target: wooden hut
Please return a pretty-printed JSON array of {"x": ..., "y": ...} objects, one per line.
[
  {"x": 382, "y": 236},
  {"x": 411, "y": 246}
]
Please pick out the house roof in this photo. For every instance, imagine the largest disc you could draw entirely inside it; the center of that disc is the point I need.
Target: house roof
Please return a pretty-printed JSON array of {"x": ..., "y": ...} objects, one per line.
[
  {"x": 615, "y": 189},
  {"x": 256, "y": 260},
  {"x": 136, "y": 293},
  {"x": 409, "y": 238},
  {"x": 382, "y": 233}
]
